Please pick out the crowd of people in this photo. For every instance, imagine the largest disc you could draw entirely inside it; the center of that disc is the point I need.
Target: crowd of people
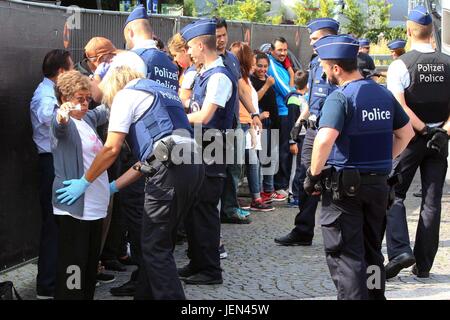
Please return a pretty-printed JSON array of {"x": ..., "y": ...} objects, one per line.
[{"x": 110, "y": 131}]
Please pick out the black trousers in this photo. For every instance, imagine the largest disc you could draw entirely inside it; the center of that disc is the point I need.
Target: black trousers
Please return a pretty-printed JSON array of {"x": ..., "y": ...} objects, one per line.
[
  {"x": 169, "y": 195},
  {"x": 48, "y": 246},
  {"x": 282, "y": 177},
  {"x": 353, "y": 230},
  {"x": 433, "y": 168},
  {"x": 132, "y": 200},
  {"x": 203, "y": 229},
  {"x": 305, "y": 219},
  {"x": 79, "y": 246},
  {"x": 298, "y": 169}
]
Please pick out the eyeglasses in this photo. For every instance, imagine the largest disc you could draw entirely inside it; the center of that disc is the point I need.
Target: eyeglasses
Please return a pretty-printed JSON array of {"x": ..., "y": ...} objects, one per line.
[
  {"x": 262, "y": 66},
  {"x": 83, "y": 99}
]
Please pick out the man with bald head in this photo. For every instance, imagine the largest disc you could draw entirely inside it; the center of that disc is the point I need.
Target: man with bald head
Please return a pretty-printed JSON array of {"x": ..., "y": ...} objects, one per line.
[{"x": 139, "y": 39}]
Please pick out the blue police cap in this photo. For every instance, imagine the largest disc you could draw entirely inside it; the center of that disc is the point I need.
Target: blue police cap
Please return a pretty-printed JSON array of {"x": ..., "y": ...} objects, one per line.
[
  {"x": 396, "y": 44},
  {"x": 138, "y": 13},
  {"x": 364, "y": 42},
  {"x": 420, "y": 15},
  {"x": 322, "y": 23},
  {"x": 338, "y": 47},
  {"x": 199, "y": 28}
]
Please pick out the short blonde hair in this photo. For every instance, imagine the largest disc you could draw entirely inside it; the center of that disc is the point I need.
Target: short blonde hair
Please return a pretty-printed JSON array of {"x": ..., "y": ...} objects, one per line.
[
  {"x": 115, "y": 80},
  {"x": 176, "y": 43},
  {"x": 418, "y": 31},
  {"x": 70, "y": 82}
]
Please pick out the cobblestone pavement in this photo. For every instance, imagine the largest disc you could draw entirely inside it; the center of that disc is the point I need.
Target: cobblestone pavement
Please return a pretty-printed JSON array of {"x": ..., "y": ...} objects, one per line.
[{"x": 256, "y": 268}]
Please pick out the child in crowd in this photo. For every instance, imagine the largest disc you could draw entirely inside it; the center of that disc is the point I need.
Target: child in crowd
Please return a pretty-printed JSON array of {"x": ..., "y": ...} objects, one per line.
[{"x": 298, "y": 114}]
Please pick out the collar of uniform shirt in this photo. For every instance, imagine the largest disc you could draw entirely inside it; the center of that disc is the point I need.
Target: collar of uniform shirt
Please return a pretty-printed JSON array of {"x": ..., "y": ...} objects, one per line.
[
  {"x": 146, "y": 44},
  {"x": 422, "y": 47},
  {"x": 217, "y": 63}
]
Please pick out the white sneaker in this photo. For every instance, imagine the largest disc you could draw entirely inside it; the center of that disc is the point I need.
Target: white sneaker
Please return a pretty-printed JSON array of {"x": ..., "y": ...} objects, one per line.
[{"x": 222, "y": 252}]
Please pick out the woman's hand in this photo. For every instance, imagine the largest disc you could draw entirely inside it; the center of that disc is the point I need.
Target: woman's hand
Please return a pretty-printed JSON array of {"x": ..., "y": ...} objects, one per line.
[
  {"x": 63, "y": 113},
  {"x": 253, "y": 137},
  {"x": 270, "y": 81},
  {"x": 264, "y": 115}
]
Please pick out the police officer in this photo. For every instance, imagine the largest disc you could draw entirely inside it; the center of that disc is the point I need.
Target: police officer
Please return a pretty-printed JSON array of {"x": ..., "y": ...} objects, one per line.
[
  {"x": 361, "y": 128},
  {"x": 420, "y": 80},
  {"x": 397, "y": 48},
  {"x": 152, "y": 120},
  {"x": 365, "y": 62},
  {"x": 319, "y": 89},
  {"x": 212, "y": 106},
  {"x": 139, "y": 39}
]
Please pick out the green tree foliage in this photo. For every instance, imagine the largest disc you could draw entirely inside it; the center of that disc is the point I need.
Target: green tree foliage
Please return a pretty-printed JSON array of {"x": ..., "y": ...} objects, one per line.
[
  {"x": 243, "y": 10},
  {"x": 379, "y": 13},
  {"x": 305, "y": 10},
  {"x": 326, "y": 8},
  {"x": 189, "y": 9},
  {"x": 356, "y": 24}
]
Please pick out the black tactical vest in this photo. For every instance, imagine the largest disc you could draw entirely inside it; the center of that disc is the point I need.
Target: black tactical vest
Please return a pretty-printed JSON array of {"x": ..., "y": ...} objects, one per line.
[{"x": 428, "y": 95}]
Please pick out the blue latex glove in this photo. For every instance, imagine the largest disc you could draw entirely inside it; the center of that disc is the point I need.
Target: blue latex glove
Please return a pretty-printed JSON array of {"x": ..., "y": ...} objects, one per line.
[
  {"x": 102, "y": 69},
  {"x": 113, "y": 187},
  {"x": 75, "y": 188}
]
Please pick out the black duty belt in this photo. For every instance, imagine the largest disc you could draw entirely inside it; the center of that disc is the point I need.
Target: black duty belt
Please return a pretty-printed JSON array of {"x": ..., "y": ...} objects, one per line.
[{"x": 373, "y": 178}]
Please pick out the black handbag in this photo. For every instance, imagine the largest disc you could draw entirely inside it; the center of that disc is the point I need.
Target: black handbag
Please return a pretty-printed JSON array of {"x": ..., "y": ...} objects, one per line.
[{"x": 6, "y": 291}]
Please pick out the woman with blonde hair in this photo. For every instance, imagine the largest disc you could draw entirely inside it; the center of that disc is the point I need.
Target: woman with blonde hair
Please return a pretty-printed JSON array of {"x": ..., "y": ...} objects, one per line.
[
  {"x": 179, "y": 50},
  {"x": 152, "y": 119},
  {"x": 75, "y": 143}
]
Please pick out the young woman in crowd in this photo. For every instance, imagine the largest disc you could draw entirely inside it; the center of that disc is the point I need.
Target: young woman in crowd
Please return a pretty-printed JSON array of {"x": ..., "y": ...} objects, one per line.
[
  {"x": 269, "y": 118},
  {"x": 246, "y": 59},
  {"x": 178, "y": 49}
]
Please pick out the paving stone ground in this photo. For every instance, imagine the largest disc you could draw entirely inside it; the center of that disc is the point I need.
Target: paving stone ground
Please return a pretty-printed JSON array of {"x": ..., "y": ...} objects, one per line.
[{"x": 257, "y": 268}]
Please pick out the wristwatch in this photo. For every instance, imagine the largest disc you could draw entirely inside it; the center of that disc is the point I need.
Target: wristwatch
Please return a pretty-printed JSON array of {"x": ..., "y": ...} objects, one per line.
[{"x": 255, "y": 115}]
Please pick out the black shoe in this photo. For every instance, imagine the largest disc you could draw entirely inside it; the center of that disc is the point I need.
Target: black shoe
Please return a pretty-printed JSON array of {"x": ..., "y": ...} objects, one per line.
[
  {"x": 235, "y": 219},
  {"x": 202, "y": 279},
  {"x": 44, "y": 294},
  {"x": 420, "y": 274},
  {"x": 128, "y": 289},
  {"x": 113, "y": 265},
  {"x": 185, "y": 272},
  {"x": 291, "y": 240},
  {"x": 398, "y": 263},
  {"x": 105, "y": 278}
]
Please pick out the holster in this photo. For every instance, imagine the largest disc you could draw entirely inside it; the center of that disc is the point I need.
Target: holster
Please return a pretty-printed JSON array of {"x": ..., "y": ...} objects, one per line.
[
  {"x": 161, "y": 154},
  {"x": 341, "y": 183}
]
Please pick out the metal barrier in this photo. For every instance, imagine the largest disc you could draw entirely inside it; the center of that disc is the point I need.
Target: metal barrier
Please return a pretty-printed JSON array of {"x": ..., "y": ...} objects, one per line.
[
  {"x": 29, "y": 31},
  {"x": 382, "y": 61}
]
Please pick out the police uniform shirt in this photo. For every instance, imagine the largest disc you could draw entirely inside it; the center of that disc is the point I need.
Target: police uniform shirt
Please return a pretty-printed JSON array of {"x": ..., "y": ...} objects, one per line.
[
  {"x": 398, "y": 78},
  {"x": 127, "y": 108},
  {"x": 232, "y": 63},
  {"x": 145, "y": 44},
  {"x": 334, "y": 113},
  {"x": 219, "y": 88},
  {"x": 130, "y": 59},
  {"x": 188, "y": 80}
]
